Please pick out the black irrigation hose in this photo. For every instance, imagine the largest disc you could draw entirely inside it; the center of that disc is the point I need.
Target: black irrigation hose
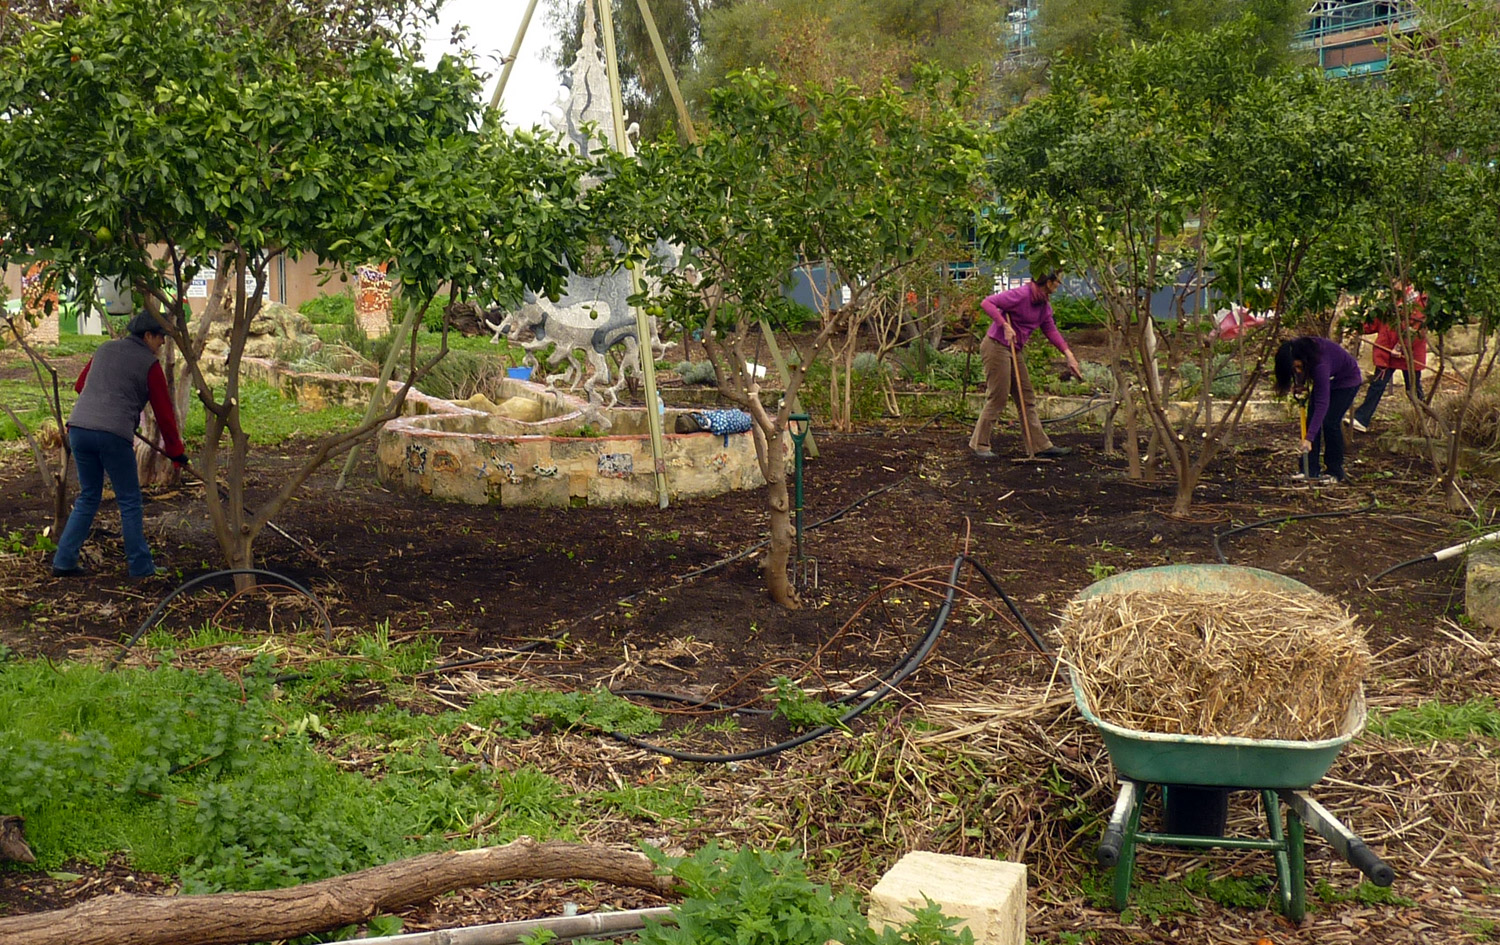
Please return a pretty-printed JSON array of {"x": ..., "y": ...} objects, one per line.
[
  {"x": 1031, "y": 631},
  {"x": 161, "y": 608},
  {"x": 887, "y": 683},
  {"x": 1397, "y": 567},
  {"x": 1219, "y": 536},
  {"x": 1081, "y": 410}
]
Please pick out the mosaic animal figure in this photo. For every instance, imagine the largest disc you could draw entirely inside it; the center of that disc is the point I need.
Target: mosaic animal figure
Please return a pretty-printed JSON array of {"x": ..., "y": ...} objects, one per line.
[{"x": 584, "y": 324}]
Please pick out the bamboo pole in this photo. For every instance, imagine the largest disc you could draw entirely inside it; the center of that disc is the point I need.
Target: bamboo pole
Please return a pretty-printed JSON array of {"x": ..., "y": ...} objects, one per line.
[
  {"x": 667, "y": 74},
  {"x": 642, "y": 321},
  {"x": 515, "y": 50},
  {"x": 508, "y": 933}
]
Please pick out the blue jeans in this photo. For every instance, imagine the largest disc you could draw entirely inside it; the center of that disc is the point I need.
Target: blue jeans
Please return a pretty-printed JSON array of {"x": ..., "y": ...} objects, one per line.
[
  {"x": 1378, "y": 381},
  {"x": 98, "y": 454}
]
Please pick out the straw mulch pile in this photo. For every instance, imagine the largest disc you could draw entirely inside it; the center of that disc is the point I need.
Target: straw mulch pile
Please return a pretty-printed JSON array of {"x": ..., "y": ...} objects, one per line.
[{"x": 1182, "y": 662}]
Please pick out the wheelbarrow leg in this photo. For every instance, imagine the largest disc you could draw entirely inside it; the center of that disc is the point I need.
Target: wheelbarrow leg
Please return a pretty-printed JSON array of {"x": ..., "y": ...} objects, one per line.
[
  {"x": 1296, "y": 859},
  {"x": 1290, "y": 866},
  {"x": 1117, "y": 847}
]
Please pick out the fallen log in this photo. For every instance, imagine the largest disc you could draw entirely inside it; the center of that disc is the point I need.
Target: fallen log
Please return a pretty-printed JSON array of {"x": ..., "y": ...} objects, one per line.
[
  {"x": 234, "y": 918},
  {"x": 13, "y": 840}
]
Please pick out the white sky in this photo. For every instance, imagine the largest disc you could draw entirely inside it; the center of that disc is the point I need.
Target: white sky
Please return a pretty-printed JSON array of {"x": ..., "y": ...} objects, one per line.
[{"x": 532, "y": 86}]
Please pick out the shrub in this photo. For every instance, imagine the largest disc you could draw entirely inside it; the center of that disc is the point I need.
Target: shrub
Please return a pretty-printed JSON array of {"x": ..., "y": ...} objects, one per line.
[
  {"x": 332, "y": 309},
  {"x": 1071, "y": 312},
  {"x": 695, "y": 372},
  {"x": 432, "y": 319},
  {"x": 1226, "y": 381}
]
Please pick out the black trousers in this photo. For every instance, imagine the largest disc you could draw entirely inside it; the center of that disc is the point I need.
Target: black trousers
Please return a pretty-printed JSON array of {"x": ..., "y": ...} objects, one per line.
[{"x": 1329, "y": 439}]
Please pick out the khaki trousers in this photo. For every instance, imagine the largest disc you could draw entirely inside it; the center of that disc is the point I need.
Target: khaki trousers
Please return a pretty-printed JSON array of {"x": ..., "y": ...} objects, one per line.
[{"x": 1004, "y": 377}]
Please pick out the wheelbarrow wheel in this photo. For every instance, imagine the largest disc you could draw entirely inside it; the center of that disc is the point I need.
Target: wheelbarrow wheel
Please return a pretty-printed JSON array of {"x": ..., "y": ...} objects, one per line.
[{"x": 1195, "y": 811}]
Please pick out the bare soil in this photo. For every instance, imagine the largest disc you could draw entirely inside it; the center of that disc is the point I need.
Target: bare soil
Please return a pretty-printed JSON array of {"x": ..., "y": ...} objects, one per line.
[{"x": 629, "y": 598}]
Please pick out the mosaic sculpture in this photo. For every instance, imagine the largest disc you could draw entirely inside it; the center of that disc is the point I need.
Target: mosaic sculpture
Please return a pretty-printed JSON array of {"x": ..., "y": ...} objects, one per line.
[{"x": 578, "y": 330}]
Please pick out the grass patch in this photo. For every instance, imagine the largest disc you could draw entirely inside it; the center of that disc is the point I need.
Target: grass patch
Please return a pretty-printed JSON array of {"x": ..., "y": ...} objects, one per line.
[
  {"x": 655, "y": 803},
  {"x": 270, "y": 419},
  {"x": 1150, "y": 902},
  {"x": 524, "y": 711},
  {"x": 32, "y": 404},
  {"x": 1241, "y": 892},
  {"x": 1366, "y": 894},
  {"x": 1438, "y": 721}
]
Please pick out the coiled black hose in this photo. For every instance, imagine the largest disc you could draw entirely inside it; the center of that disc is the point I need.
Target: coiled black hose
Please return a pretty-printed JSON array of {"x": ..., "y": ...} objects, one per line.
[
  {"x": 1219, "y": 536},
  {"x": 885, "y": 684},
  {"x": 161, "y": 608}
]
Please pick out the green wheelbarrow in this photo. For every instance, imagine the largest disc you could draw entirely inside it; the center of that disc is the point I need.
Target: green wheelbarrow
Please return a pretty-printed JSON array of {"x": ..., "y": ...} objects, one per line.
[{"x": 1197, "y": 774}]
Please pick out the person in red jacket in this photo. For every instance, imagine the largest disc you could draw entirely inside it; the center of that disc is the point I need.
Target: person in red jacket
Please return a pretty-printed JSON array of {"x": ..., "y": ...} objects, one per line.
[
  {"x": 1393, "y": 353},
  {"x": 115, "y": 386}
]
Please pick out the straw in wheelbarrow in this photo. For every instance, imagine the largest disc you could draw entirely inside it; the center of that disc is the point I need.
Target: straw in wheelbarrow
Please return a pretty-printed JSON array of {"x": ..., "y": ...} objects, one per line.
[{"x": 1184, "y": 662}]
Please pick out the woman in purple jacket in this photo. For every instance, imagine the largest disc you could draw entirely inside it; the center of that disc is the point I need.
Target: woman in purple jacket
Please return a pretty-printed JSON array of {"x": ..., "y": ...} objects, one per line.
[{"x": 1335, "y": 378}]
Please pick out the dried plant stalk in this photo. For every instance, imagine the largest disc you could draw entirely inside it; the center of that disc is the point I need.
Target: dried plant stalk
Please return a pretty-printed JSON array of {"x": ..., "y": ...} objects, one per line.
[{"x": 1185, "y": 662}]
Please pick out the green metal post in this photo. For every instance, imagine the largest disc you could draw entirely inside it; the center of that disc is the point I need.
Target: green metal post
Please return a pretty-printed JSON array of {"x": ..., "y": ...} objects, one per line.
[{"x": 799, "y": 427}]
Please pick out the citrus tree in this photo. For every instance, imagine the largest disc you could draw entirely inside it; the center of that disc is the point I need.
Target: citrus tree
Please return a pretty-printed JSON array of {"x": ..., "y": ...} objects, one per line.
[
  {"x": 785, "y": 175},
  {"x": 1438, "y": 213},
  {"x": 144, "y": 138},
  {"x": 1187, "y": 167}
]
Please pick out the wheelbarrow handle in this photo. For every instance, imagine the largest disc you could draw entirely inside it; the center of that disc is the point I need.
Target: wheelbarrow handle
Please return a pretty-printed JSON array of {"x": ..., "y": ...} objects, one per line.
[
  {"x": 1349, "y": 846},
  {"x": 1114, "y": 834},
  {"x": 1362, "y": 858}
]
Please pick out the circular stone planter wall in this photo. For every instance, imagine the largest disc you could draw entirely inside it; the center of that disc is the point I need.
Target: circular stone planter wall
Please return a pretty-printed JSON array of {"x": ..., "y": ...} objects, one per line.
[{"x": 456, "y": 453}]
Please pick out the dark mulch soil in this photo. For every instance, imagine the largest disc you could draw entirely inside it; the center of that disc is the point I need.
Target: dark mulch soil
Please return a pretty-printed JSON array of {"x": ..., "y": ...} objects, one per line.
[{"x": 486, "y": 579}]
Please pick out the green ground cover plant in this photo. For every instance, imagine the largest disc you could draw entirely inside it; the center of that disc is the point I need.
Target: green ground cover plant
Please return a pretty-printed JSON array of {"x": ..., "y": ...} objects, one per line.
[
  {"x": 334, "y": 308},
  {"x": 1436, "y": 721},
  {"x": 227, "y": 783},
  {"x": 735, "y": 897}
]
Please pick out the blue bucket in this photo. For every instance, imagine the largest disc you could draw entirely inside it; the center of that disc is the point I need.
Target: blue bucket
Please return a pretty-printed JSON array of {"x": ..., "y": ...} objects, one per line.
[{"x": 519, "y": 373}]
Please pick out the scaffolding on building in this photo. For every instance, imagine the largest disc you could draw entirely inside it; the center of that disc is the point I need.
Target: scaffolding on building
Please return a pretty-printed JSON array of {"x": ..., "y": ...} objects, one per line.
[{"x": 1348, "y": 36}]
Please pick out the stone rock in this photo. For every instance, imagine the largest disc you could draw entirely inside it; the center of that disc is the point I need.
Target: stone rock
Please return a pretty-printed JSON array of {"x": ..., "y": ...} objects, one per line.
[
  {"x": 276, "y": 331},
  {"x": 520, "y": 408},
  {"x": 478, "y": 402},
  {"x": 989, "y": 896},
  {"x": 1482, "y": 587}
]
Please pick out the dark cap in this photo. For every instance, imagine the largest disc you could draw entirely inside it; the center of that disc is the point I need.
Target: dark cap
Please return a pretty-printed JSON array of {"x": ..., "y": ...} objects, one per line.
[{"x": 142, "y": 322}]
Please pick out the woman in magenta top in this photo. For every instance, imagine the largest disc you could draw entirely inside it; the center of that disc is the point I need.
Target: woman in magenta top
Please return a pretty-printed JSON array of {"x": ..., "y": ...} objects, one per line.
[
  {"x": 1014, "y": 315},
  {"x": 1332, "y": 378}
]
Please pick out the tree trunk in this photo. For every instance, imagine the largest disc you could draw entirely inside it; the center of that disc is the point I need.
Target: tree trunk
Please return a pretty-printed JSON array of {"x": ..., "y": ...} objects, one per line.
[
  {"x": 1187, "y": 481},
  {"x": 13, "y": 844},
  {"x": 227, "y": 918},
  {"x": 778, "y": 584},
  {"x": 1132, "y": 438}
]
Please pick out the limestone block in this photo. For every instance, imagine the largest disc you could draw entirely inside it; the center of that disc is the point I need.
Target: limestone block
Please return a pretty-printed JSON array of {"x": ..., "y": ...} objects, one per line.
[
  {"x": 47, "y": 330},
  {"x": 1482, "y": 588},
  {"x": 989, "y": 896},
  {"x": 520, "y": 408},
  {"x": 477, "y": 402}
]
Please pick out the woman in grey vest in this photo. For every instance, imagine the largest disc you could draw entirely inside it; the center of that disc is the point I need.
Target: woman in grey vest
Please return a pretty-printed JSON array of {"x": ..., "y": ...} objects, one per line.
[{"x": 115, "y": 386}]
